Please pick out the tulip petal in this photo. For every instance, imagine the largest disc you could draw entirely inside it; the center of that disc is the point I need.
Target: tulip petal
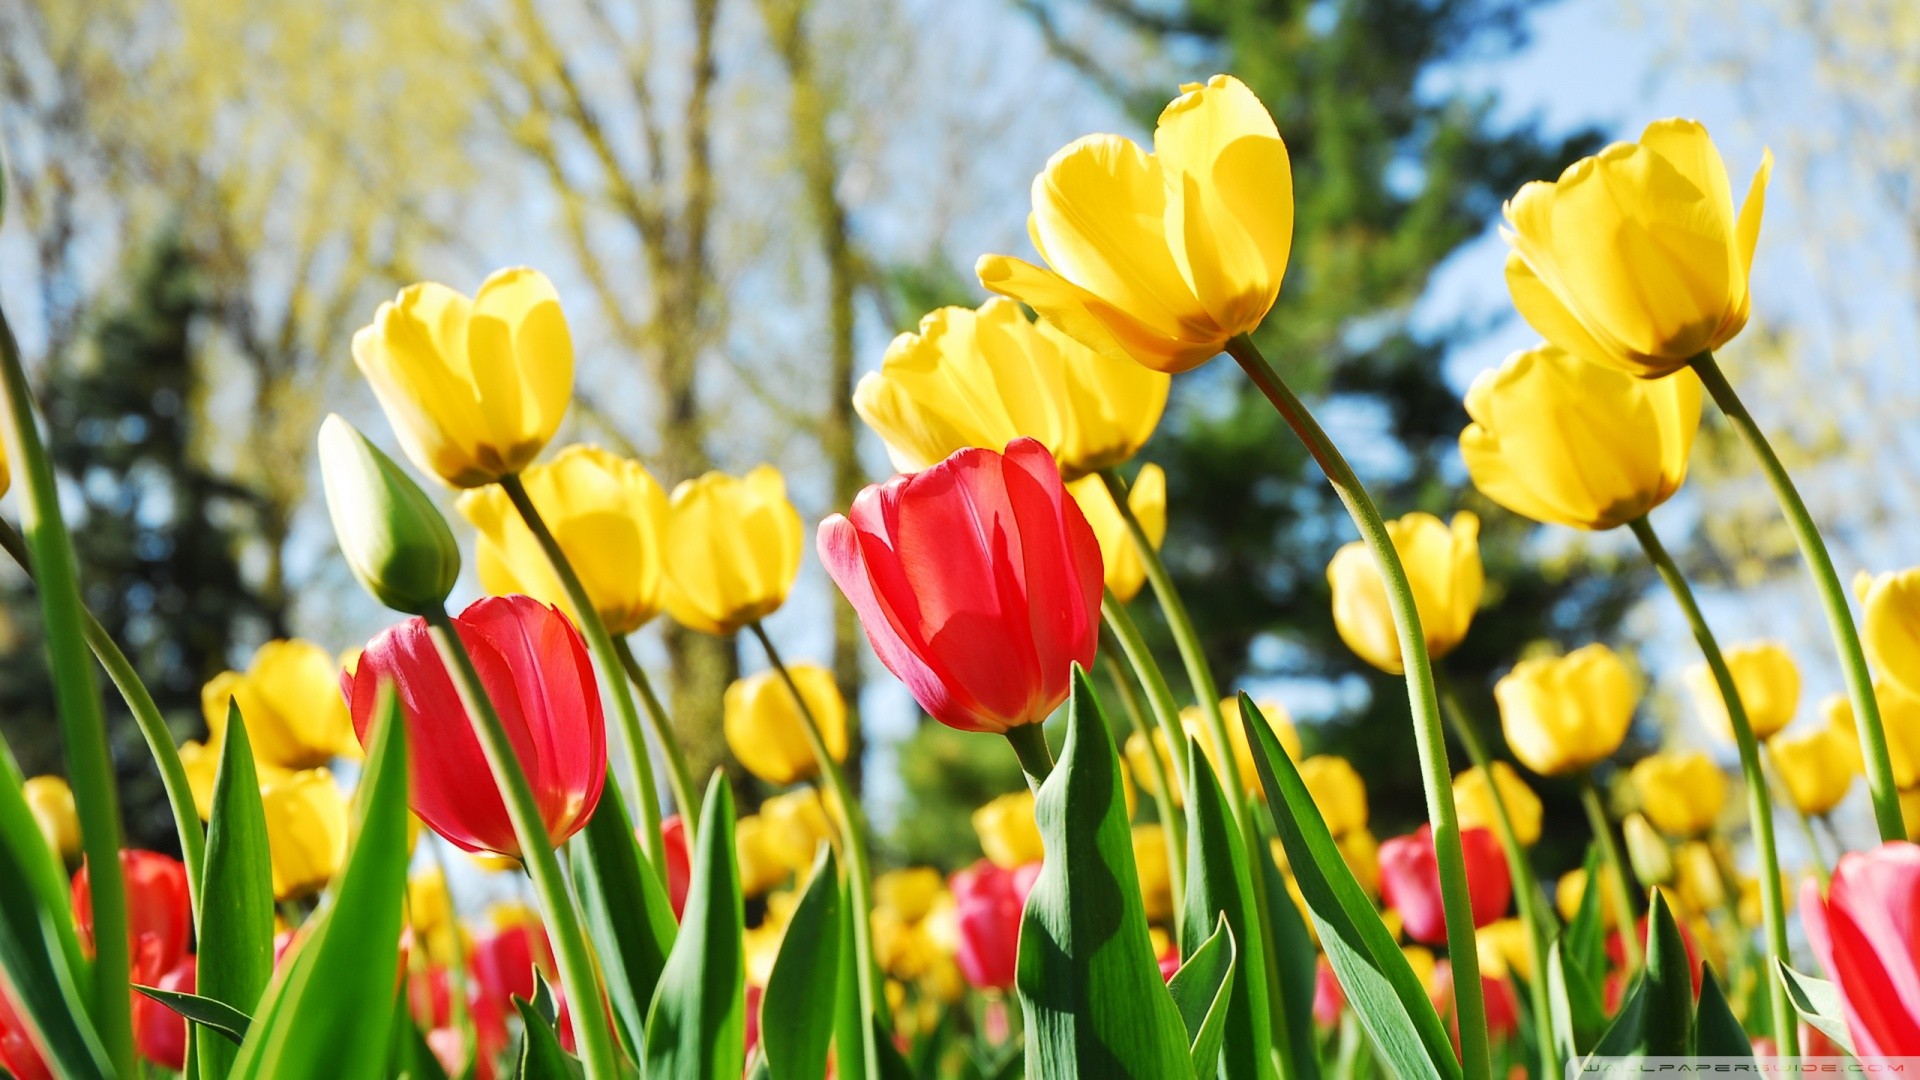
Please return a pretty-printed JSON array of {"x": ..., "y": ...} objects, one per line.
[
  {"x": 1090, "y": 320},
  {"x": 1543, "y": 310},
  {"x": 1061, "y": 576},
  {"x": 540, "y": 347}
]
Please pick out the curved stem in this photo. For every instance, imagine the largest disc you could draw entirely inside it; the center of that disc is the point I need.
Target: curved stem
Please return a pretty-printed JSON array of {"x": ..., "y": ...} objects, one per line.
[
  {"x": 859, "y": 868},
  {"x": 1759, "y": 805},
  {"x": 570, "y": 946},
  {"x": 146, "y": 716},
  {"x": 601, "y": 643},
  {"x": 1170, "y": 825},
  {"x": 1625, "y": 910},
  {"x": 679, "y": 776},
  {"x": 1166, "y": 714},
  {"x": 1029, "y": 742},
  {"x": 1470, "y": 1003},
  {"x": 1833, "y": 598},
  {"x": 83, "y": 725}
]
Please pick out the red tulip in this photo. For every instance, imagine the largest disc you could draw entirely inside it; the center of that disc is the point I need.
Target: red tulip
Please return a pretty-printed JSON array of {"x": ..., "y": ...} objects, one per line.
[
  {"x": 1503, "y": 1006},
  {"x": 159, "y": 912},
  {"x": 159, "y": 1032},
  {"x": 1867, "y": 935},
  {"x": 673, "y": 832},
  {"x": 505, "y": 963},
  {"x": 1410, "y": 881},
  {"x": 18, "y": 1054},
  {"x": 978, "y": 582},
  {"x": 987, "y": 903},
  {"x": 1328, "y": 998},
  {"x": 535, "y": 669}
]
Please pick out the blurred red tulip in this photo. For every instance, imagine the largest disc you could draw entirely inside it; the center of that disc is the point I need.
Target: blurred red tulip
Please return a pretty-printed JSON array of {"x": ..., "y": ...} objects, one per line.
[
  {"x": 978, "y": 582},
  {"x": 987, "y": 905},
  {"x": 18, "y": 1055},
  {"x": 449, "y": 1045},
  {"x": 159, "y": 1032},
  {"x": 1169, "y": 962},
  {"x": 1503, "y": 1006},
  {"x": 1328, "y": 998},
  {"x": 679, "y": 868},
  {"x": 1867, "y": 935},
  {"x": 753, "y": 1017},
  {"x": 1410, "y": 881},
  {"x": 430, "y": 993},
  {"x": 506, "y": 963},
  {"x": 159, "y": 912},
  {"x": 535, "y": 668}
]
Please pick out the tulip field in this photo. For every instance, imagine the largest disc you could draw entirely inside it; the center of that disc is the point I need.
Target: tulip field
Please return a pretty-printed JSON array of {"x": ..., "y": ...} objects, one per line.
[{"x": 1187, "y": 886}]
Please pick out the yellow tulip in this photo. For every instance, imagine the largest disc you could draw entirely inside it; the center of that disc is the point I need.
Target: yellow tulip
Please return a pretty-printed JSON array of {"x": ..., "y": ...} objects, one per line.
[
  {"x": 732, "y": 550},
  {"x": 1337, "y": 791},
  {"x": 909, "y": 894},
  {"x": 1899, "y": 719},
  {"x": 1681, "y": 791},
  {"x": 763, "y": 723},
  {"x": 1008, "y": 834},
  {"x": 1562, "y": 714},
  {"x": 1139, "y": 764},
  {"x": 1634, "y": 257},
  {"x": 1473, "y": 799},
  {"x": 1361, "y": 853},
  {"x": 473, "y": 388},
  {"x": 1150, "y": 863},
  {"x": 1651, "y": 858},
  {"x": 1421, "y": 960},
  {"x": 1698, "y": 877},
  {"x": 606, "y": 511},
  {"x": 1890, "y": 627},
  {"x": 1910, "y": 812},
  {"x": 1443, "y": 566},
  {"x": 51, "y": 802},
  {"x": 1276, "y": 717},
  {"x": 1161, "y": 257},
  {"x": 1125, "y": 573},
  {"x": 797, "y": 824},
  {"x": 762, "y": 854},
  {"x": 987, "y": 377},
  {"x": 1816, "y": 765},
  {"x": 1560, "y": 440},
  {"x": 905, "y": 949},
  {"x": 762, "y": 943},
  {"x": 1768, "y": 682},
  {"x": 306, "y": 831},
  {"x": 1749, "y": 906},
  {"x": 290, "y": 698},
  {"x": 1505, "y": 947},
  {"x": 430, "y": 913},
  {"x": 1571, "y": 888}
]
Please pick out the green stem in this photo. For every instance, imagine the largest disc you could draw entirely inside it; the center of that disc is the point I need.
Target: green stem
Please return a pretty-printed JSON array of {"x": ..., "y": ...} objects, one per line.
[
  {"x": 1812, "y": 838},
  {"x": 1759, "y": 806},
  {"x": 679, "y": 776},
  {"x": 1029, "y": 742},
  {"x": 1526, "y": 888},
  {"x": 1429, "y": 737},
  {"x": 601, "y": 643},
  {"x": 572, "y": 950},
  {"x": 146, "y": 716},
  {"x": 1171, "y": 826},
  {"x": 83, "y": 725},
  {"x": 1626, "y": 912},
  {"x": 1833, "y": 598},
  {"x": 1166, "y": 714},
  {"x": 859, "y": 869}
]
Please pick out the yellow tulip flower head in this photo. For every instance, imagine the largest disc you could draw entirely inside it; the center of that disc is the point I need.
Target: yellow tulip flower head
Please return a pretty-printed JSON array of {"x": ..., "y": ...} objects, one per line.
[
  {"x": 1910, "y": 812},
  {"x": 1473, "y": 799},
  {"x": 1161, "y": 257},
  {"x": 1361, "y": 852},
  {"x": 1816, "y": 765},
  {"x": 289, "y": 697},
  {"x": 607, "y": 513},
  {"x": 1681, "y": 791},
  {"x": 1505, "y": 948},
  {"x": 1899, "y": 719},
  {"x": 1142, "y": 766},
  {"x": 51, "y": 802},
  {"x": 1147, "y": 498},
  {"x": 797, "y": 824},
  {"x": 473, "y": 388},
  {"x": 1337, "y": 791},
  {"x": 1767, "y": 680},
  {"x": 1634, "y": 258},
  {"x": 1567, "y": 442},
  {"x": 1837, "y": 710},
  {"x": 1572, "y": 887},
  {"x": 1697, "y": 877},
  {"x": 1563, "y": 714},
  {"x": 763, "y": 858},
  {"x": 1277, "y": 718},
  {"x": 1890, "y": 629},
  {"x": 1150, "y": 862},
  {"x": 732, "y": 550},
  {"x": 1008, "y": 834},
  {"x": 987, "y": 377},
  {"x": 1443, "y": 566},
  {"x": 764, "y": 724},
  {"x": 909, "y": 894},
  {"x": 306, "y": 831}
]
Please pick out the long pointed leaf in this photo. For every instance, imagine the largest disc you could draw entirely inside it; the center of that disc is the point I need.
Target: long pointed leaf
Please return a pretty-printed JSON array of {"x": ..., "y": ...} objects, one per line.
[
  {"x": 1818, "y": 1003},
  {"x": 626, "y": 912},
  {"x": 1202, "y": 989},
  {"x": 541, "y": 1057},
  {"x": 235, "y": 932},
  {"x": 1220, "y": 886},
  {"x": 1717, "y": 1032},
  {"x": 697, "y": 1026},
  {"x": 1669, "y": 978},
  {"x": 1574, "y": 1003},
  {"x": 796, "y": 1015},
  {"x": 218, "y": 1017},
  {"x": 1297, "y": 962}
]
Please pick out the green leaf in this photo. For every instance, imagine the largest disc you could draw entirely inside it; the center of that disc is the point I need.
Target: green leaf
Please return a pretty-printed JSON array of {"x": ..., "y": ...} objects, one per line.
[
  {"x": 1669, "y": 981},
  {"x": 796, "y": 1015},
  {"x": 1380, "y": 986},
  {"x": 1586, "y": 934},
  {"x": 1220, "y": 886},
  {"x": 696, "y": 1028},
  {"x": 216, "y": 1016},
  {"x": 626, "y": 910},
  {"x": 541, "y": 1057},
  {"x": 235, "y": 931},
  {"x": 412, "y": 1058},
  {"x": 1627, "y": 1035},
  {"x": 315, "y": 1021},
  {"x": 1088, "y": 981},
  {"x": 1201, "y": 990},
  {"x": 1818, "y": 1002},
  {"x": 1573, "y": 1003},
  {"x": 1717, "y": 1031},
  {"x": 1296, "y": 960}
]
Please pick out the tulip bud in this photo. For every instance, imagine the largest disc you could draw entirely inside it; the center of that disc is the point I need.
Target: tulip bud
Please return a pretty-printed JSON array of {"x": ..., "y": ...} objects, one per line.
[
  {"x": 395, "y": 541},
  {"x": 306, "y": 831},
  {"x": 760, "y": 857},
  {"x": 1890, "y": 624},
  {"x": 1697, "y": 875},
  {"x": 908, "y": 894},
  {"x": 1410, "y": 881},
  {"x": 764, "y": 729},
  {"x": 1652, "y": 863},
  {"x": 51, "y": 801},
  {"x": 1563, "y": 714},
  {"x": 1817, "y": 767}
]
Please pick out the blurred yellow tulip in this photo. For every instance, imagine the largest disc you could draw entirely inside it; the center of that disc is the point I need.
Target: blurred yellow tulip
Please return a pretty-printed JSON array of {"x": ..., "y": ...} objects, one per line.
[
  {"x": 1697, "y": 875},
  {"x": 51, "y": 802},
  {"x": 797, "y": 824},
  {"x": 1473, "y": 800},
  {"x": 764, "y": 857},
  {"x": 1890, "y": 626},
  {"x": 1362, "y": 855},
  {"x": 1147, "y": 498},
  {"x": 1910, "y": 812},
  {"x": 763, "y": 723},
  {"x": 987, "y": 377},
  {"x": 430, "y": 913},
  {"x": 1140, "y": 765},
  {"x": 1816, "y": 765},
  {"x": 1651, "y": 858},
  {"x": 732, "y": 550},
  {"x": 1505, "y": 948},
  {"x": 1420, "y": 959},
  {"x": 1572, "y": 887},
  {"x": 1443, "y": 566},
  {"x": 1008, "y": 834},
  {"x": 1749, "y": 906},
  {"x": 306, "y": 831},
  {"x": 1563, "y": 714},
  {"x": 1899, "y": 719},
  {"x": 1634, "y": 258},
  {"x": 1768, "y": 682},
  {"x": 762, "y": 943},
  {"x": 290, "y": 699},
  {"x": 1681, "y": 791},
  {"x": 1277, "y": 718},
  {"x": 1337, "y": 791},
  {"x": 1150, "y": 863},
  {"x": 1564, "y": 441},
  {"x": 1161, "y": 257},
  {"x": 909, "y": 894},
  {"x": 473, "y": 388},
  {"x": 606, "y": 511}
]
